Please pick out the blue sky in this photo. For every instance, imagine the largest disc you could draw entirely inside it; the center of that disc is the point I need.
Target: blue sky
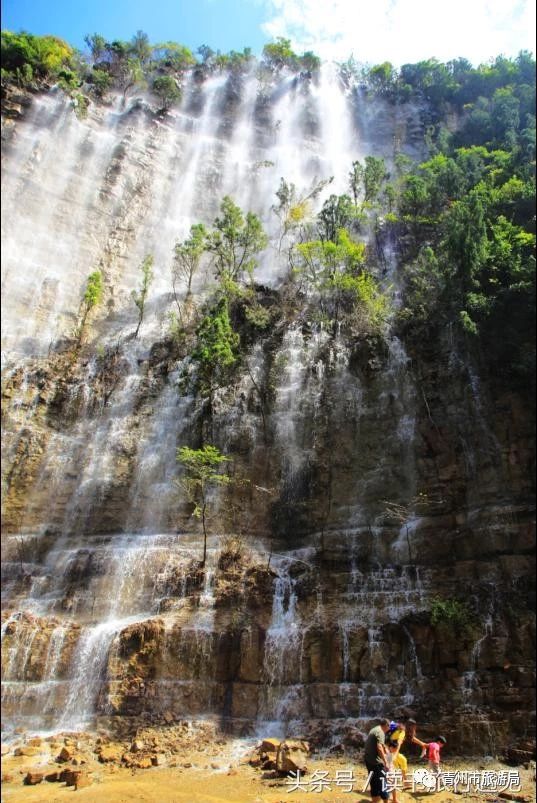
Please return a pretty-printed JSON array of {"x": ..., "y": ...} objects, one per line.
[
  {"x": 221, "y": 24},
  {"x": 371, "y": 30}
]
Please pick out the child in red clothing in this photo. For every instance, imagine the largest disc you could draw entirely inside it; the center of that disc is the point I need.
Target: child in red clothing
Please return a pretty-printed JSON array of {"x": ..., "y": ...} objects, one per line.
[{"x": 433, "y": 754}]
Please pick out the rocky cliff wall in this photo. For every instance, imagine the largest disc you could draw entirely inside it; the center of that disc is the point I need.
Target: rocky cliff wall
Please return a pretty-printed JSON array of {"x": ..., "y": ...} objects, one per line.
[{"x": 372, "y": 557}]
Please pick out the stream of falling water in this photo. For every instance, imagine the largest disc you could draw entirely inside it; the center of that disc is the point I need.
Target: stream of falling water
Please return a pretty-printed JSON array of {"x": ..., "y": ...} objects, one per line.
[
  {"x": 281, "y": 655},
  {"x": 89, "y": 672}
]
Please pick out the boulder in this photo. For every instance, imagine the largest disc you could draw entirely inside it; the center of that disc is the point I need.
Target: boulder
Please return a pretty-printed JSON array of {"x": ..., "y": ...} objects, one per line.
[
  {"x": 137, "y": 746},
  {"x": 269, "y": 745},
  {"x": 65, "y": 754},
  {"x": 33, "y": 778},
  {"x": 83, "y": 780},
  {"x": 516, "y": 757},
  {"x": 53, "y": 777},
  {"x": 7, "y": 777},
  {"x": 26, "y": 751},
  {"x": 292, "y": 756},
  {"x": 112, "y": 752},
  {"x": 78, "y": 760},
  {"x": 142, "y": 763},
  {"x": 158, "y": 759},
  {"x": 265, "y": 754},
  {"x": 70, "y": 777}
]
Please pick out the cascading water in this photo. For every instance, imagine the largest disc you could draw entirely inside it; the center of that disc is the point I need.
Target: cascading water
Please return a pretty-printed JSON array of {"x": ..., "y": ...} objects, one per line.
[
  {"x": 101, "y": 556},
  {"x": 282, "y": 652}
]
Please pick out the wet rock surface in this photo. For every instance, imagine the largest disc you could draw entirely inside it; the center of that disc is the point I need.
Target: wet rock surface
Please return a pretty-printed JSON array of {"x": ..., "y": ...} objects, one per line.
[{"x": 375, "y": 477}]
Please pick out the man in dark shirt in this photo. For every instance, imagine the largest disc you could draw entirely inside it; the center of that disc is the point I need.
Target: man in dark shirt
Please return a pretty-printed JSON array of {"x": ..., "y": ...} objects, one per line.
[{"x": 376, "y": 761}]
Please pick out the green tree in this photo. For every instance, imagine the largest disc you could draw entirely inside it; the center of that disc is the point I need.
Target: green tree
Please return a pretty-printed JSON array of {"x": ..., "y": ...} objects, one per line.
[
  {"x": 206, "y": 53},
  {"x": 382, "y": 79},
  {"x": 101, "y": 81},
  {"x": 356, "y": 181},
  {"x": 505, "y": 117},
  {"x": 129, "y": 75},
  {"x": 204, "y": 472},
  {"x": 173, "y": 56},
  {"x": 336, "y": 213},
  {"x": 235, "y": 241},
  {"x": 45, "y": 55},
  {"x": 375, "y": 174},
  {"x": 140, "y": 47},
  {"x": 414, "y": 201},
  {"x": 466, "y": 244},
  {"x": 93, "y": 294},
  {"x": 336, "y": 271},
  {"x": 367, "y": 179},
  {"x": 321, "y": 260},
  {"x": 279, "y": 54},
  {"x": 140, "y": 296},
  {"x": 187, "y": 257},
  {"x": 309, "y": 62},
  {"x": 424, "y": 282},
  {"x": 166, "y": 88},
  {"x": 292, "y": 209},
  {"x": 97, "y": 45}
]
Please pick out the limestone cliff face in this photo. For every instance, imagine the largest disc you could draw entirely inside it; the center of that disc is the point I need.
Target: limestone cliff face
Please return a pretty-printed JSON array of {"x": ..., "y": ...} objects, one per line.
[{"x": 375, "y": 478}]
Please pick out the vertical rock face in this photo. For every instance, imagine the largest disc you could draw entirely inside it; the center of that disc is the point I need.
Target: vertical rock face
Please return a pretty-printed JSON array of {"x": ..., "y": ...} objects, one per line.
[{"x": 385, "y": 481}]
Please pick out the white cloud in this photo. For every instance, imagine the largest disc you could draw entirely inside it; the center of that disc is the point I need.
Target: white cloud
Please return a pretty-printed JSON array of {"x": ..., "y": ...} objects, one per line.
[{"x": 403, "y": 31}]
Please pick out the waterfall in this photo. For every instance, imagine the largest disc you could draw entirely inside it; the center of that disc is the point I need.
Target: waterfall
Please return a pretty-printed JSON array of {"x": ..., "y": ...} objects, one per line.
[
  {"x": 321, "y": 426},
  {"x": 282, "y": 651},
  {"x": 90, "y": 664}
]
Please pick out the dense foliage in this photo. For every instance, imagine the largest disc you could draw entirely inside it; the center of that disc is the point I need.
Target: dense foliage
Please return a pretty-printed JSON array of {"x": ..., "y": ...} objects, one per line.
[
  {"x": 216, "y": 350},
  {"x": 28, "y": 60},
  {"x": 25, "y": 57},
  {"x": 466, "y": 214}
]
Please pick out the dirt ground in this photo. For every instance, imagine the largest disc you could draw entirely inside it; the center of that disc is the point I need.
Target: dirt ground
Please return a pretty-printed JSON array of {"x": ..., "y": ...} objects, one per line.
[{"x": 224, "y": 775}]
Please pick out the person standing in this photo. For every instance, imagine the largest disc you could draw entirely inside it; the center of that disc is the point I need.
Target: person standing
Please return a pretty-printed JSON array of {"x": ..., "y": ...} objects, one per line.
[
  {"x": 376, "y": 761},
  {"x": 433, "y": 754},
  {"x": 397, "y": 768}
]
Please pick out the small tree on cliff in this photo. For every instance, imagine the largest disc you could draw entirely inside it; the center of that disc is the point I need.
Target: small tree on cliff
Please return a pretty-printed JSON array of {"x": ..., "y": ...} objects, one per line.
[
  {"x": 235, "y": 241},
  {"x": 140, "y": 296},
  {"x": 93, "y": 294},
  {"x": 203, "y": 473},
  {"x": 187, "y": 257},
  {"x": 166, "y": 89},
  {"x": 367, "y": 179}
]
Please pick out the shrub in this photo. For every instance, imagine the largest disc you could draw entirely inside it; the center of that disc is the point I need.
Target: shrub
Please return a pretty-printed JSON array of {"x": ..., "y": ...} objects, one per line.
[
  {"x": 165, "y": 87},
  {"x": 450, "y": 613}
]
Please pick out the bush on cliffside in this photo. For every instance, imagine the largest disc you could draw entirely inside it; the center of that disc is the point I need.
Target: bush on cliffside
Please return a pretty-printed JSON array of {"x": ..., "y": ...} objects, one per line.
[
  {"x": 25, "y": 56},
  {"x": 451, "y": 613}
]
